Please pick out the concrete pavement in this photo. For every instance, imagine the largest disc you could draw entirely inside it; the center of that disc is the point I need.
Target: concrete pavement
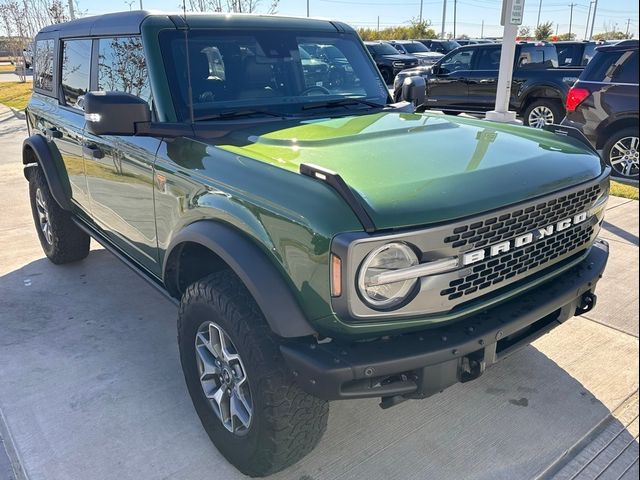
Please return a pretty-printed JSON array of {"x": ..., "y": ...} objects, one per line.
[{"x": 90, "y": 381}]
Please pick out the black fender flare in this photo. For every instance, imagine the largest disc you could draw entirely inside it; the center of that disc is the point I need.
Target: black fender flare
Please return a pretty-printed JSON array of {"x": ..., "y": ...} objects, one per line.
[
  {"x": 525, "y": 97},
  {"x": 52, "y": 166},
  {"x": 261, "y": 277}
]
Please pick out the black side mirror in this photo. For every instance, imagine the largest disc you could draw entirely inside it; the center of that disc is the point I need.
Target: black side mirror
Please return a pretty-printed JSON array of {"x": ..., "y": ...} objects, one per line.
[
  {"x": 114, "y": 113},
  {"x": 414, "y": 90}
]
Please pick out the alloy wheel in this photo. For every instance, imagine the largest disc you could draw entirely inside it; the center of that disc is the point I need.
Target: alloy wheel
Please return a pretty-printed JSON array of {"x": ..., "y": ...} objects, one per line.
[
  {"x": 43, "y": 216},
  {"x": 540, "y": 116},
  {"x": 624, "y": 155},
  {"x": 223, "y": 378}
]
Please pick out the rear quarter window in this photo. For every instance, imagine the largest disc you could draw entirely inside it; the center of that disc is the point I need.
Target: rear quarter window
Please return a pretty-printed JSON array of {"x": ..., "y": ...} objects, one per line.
[
  {"x": 43, "y": 65},
  {"x": 620, "y": 66}
]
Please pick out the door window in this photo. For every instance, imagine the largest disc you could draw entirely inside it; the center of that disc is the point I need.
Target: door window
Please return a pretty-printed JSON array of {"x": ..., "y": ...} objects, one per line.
[
  {"x": 458, "y": 61},
  {"x": 488, "y": 59},
  {"x": 76, "y": 60},
  {"x": 122, "y": 67},
  {"x": 43, "y": 65}
]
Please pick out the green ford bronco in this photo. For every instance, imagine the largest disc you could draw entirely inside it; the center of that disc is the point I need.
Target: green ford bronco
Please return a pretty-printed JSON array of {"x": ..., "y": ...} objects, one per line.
[{"x": 321, "y": 242}]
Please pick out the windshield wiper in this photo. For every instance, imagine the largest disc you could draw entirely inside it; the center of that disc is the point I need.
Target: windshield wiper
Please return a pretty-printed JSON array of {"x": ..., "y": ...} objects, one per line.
[
  {"x": 343, "y": 102},
  {"x": 238, "y": 114}
]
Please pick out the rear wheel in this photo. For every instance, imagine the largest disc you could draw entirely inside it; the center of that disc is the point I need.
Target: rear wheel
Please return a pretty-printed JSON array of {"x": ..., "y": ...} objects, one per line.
[
  {"x": 247, "y": 400},
  {"x": 622, "y": 152},
  {"x": 61, "y": 239},
  {"x": 543, "y": 112}
]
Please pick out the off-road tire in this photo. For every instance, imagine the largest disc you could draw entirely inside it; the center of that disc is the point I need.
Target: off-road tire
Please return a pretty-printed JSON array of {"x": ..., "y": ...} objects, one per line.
[
  {"x": 68, "y": 242},
  {"x": 286, "y": 423},
  {"x": 553, "y": 106}
]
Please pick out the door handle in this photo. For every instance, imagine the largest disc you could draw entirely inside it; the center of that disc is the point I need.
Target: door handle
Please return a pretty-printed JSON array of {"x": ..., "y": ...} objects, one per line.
[
  {"x": 92, "y": 151},
  {"x": 487, "y": 80},
  {"x": 52, "y": 133}
]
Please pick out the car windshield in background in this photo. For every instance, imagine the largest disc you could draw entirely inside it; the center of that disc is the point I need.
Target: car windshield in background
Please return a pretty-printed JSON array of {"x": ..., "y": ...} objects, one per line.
[
  {"x": 414, "y": 47},
  {"x": 382, "y": 49},
  {"x": 270, "y": 72}
]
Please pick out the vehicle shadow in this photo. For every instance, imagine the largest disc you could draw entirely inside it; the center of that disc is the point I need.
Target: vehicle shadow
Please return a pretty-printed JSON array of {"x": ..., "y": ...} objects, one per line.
[{"x": 90, "y": 381}]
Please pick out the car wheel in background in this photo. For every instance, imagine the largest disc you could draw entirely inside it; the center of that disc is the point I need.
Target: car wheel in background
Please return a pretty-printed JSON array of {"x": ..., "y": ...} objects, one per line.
[
  {"x": 621, "y": 153},
  {"x": 543, "y": 112},
  {"x": 387, "y": 75}
]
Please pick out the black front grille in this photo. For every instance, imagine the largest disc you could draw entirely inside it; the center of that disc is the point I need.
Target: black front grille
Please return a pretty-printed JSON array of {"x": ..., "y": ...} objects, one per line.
[
  {"x": 519, "y": 262},
  {"x": 505, "y": 227}
]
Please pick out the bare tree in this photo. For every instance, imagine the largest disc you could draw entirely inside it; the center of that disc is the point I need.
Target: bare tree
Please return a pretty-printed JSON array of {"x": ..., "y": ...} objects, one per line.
[
  {"x": 234, "y": 6},
  {"x": 21, "y": 20}
]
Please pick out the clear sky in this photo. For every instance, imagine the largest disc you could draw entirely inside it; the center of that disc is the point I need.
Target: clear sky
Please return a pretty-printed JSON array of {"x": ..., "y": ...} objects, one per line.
[{"x": 470, "y": 13}]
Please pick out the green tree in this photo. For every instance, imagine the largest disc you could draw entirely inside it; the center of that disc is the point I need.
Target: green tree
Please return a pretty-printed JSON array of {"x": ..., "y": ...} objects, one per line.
[
  {"x": 544, "y": 31},
  {"x": 567, "y": 36},
  {"x": 416, "y": 29},
  {"x": 614, "y": 35}
]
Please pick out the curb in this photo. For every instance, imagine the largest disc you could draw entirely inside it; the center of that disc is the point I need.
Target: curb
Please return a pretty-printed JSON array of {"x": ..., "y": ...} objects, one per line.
[{"x": 11, "y": 450}]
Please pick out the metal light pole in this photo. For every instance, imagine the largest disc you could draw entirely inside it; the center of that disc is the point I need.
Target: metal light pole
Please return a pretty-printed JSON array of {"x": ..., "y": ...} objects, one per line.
[
  {"x": 512, "y": 11},
  {"x": 421, "y": 4},
  {"x": 455, "y": 13},
  {"x": 72, "y": 13},
  {"x": 593, "y": 19},
  {"x": 141, "y": 8},
  {"x": 444, "y": 16},
  {"x": 571, "y": 18},
  {"x": 586, "y": 28},
  {"x": 627, "y": 32},
  {"x": 307, "y": 8},
  {"x": 539, "y": 10},
  {"x": 482, "y": 30}
]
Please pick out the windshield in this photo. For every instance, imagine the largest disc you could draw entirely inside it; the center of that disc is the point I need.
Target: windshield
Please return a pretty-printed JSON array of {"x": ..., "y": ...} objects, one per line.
[
  {"x": 414, "y": 47},
  {"x": 264, "y": 70},
  {"x": 382, "y": 49}
]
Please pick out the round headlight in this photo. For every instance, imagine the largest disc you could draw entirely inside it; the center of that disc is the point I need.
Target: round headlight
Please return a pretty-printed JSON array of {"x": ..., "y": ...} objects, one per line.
[{"x": 388, "y": 258}]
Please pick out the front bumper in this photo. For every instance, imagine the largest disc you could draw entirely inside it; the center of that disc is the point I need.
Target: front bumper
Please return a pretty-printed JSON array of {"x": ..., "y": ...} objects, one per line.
[{"x": 420, "y": 364}]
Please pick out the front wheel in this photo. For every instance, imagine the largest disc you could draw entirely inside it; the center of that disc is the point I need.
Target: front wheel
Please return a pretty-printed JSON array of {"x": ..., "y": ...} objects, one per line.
[
  {"x": 543, "y": 112},
  {"x": 247, "y": 400},
  {"x": 621, "y": 153}
]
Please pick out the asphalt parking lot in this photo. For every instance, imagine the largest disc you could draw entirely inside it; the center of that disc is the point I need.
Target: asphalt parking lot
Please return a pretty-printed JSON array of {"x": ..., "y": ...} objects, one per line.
[{"x": 91, "y": 387}]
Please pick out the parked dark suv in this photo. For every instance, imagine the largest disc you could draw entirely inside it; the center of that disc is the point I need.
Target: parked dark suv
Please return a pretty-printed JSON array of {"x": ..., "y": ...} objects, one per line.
[
  {"x": 603, "y": 104},
  {"x": 440, "y": 46},
  {"x": 389, "y": 60},
  {"x": 320, "y": 241}
]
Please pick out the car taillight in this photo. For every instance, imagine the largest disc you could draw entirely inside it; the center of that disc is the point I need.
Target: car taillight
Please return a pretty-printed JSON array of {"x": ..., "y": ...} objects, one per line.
[{"x": 575, "y": 97}]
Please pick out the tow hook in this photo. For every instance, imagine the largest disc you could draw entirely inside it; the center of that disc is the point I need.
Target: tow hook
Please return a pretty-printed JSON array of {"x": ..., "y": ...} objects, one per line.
[
  {"x": 471, "y": 366},
  {"x": 587, "y": 302}
]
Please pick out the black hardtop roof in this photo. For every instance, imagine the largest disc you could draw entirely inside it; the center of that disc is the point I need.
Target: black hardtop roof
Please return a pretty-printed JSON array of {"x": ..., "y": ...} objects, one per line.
[
  {"x": 129, "y": 23},
  {"x": 623, "y": 45}
]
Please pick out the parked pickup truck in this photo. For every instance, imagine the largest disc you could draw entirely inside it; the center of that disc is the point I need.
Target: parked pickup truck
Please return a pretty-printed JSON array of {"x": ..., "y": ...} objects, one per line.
[
  {"x": 465, "y": 80},
  {"x": 320, "y": 242}
]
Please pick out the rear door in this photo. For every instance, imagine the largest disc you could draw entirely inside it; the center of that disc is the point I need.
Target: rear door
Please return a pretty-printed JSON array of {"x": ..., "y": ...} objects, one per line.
[
  {"x": 69, "y": 123},
  {"x": 483, "y": 78},
  {"x": 120, "y": 170},
  {"x": 448, "y": 87}
]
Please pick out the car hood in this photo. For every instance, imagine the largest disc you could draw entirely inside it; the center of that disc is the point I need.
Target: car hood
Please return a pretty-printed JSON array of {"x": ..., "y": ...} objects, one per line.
[
  {"x": 430, "y": 55},
  {"x": 416, "y": 169},
  {"x": 400, "y": 57}
]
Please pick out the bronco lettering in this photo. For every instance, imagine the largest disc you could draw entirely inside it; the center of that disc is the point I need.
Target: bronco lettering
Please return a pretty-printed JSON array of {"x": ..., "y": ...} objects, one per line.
[{"x": 522, "y": 240}]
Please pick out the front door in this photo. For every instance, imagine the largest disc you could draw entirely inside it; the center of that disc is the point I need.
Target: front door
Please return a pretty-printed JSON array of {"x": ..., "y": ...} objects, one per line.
[
  {"x": 120, "y": 169},
  {"x": 448, "y": 87}
]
